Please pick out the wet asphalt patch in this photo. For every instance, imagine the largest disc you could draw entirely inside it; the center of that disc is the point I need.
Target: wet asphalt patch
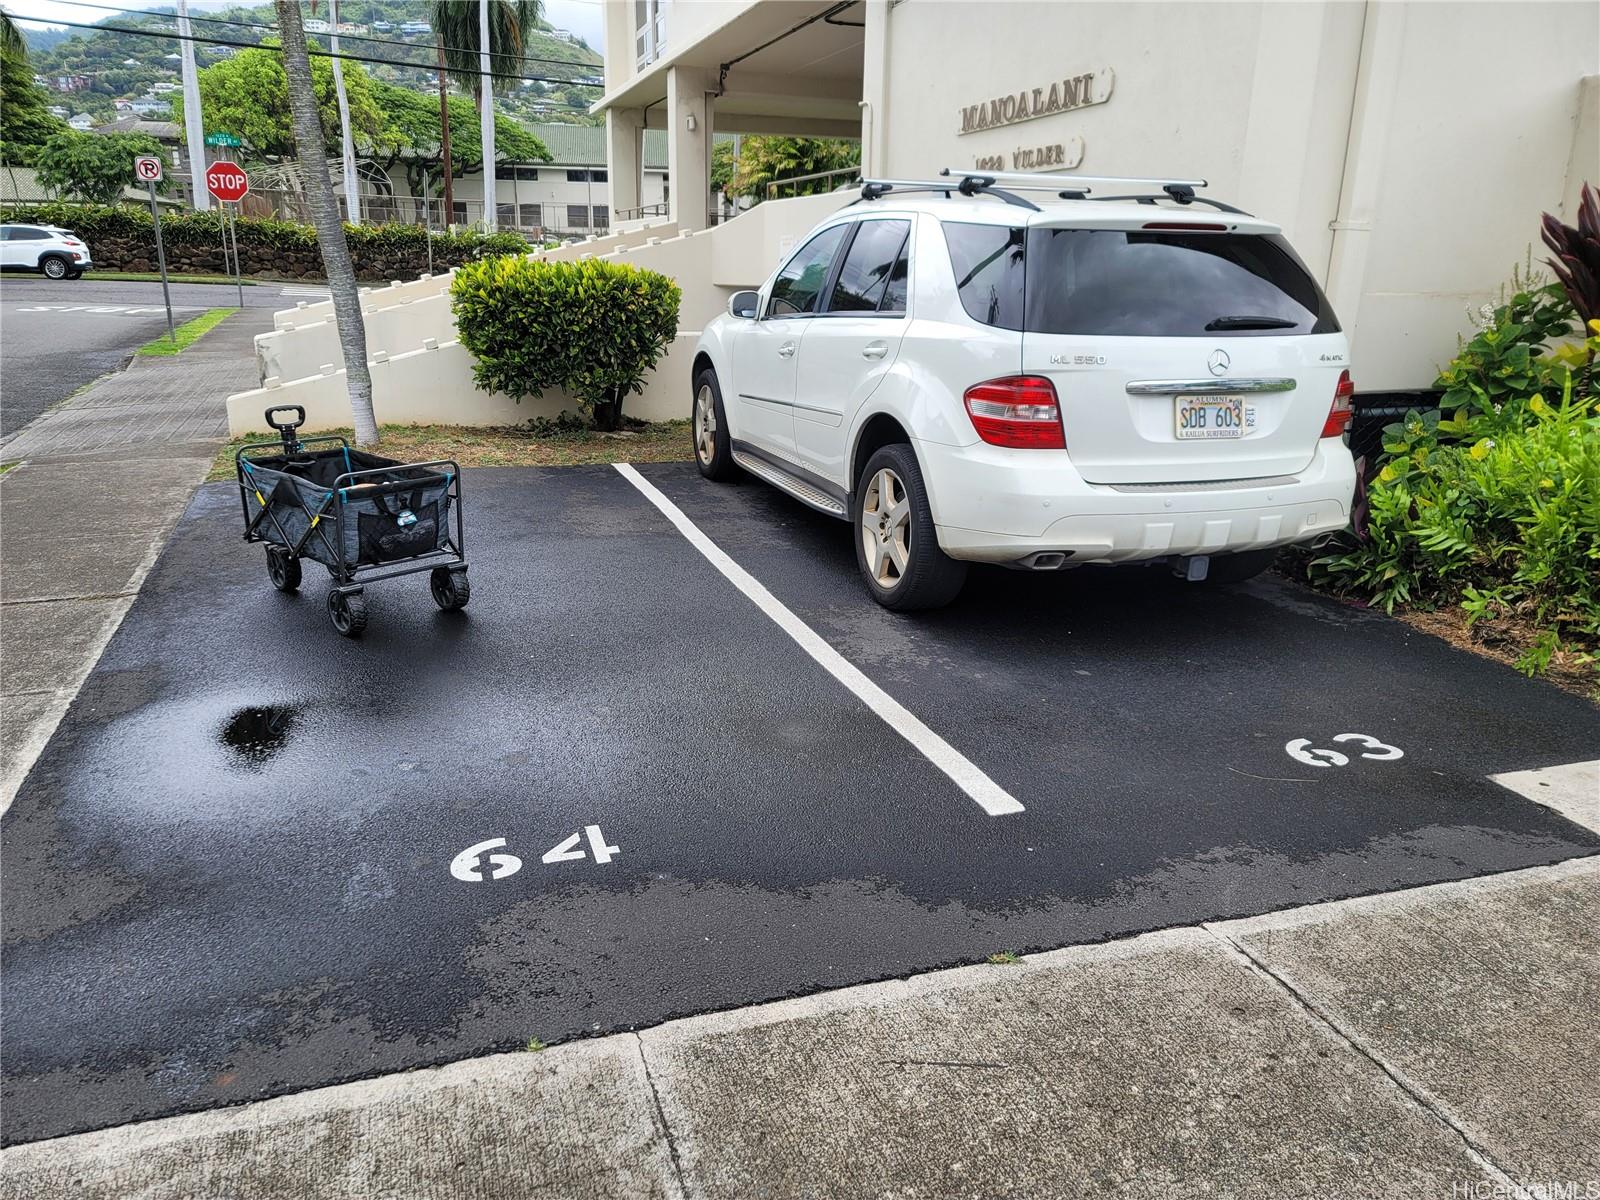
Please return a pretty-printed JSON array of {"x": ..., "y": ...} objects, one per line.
[{"x": 258, "y": 858}]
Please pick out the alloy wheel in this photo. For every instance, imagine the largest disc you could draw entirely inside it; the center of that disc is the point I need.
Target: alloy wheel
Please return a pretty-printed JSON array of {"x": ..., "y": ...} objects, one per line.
[
  {"x": 705, "y": 424},
  {"x": 886, "y": 528}
]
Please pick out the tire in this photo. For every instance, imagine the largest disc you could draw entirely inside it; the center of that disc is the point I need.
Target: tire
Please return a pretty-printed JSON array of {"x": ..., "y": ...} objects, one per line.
[
  {"x": 451, "y": 589},
  {"x": 74, "y": 274},
  {"x": 1237, "y": 568},
  {"x": 283, "y": 569},
  {"x": 708, "y": 426},
  {"x": 54, "y": 268},
  {"x": 897, "y": 549},
  {"x": 349, "y": 612}
]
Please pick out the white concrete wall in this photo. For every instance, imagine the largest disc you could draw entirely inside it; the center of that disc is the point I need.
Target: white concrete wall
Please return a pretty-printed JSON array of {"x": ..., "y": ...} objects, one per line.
[
  {"x": 433, "y": 386},
  {"x": 1407, "y": 148}
]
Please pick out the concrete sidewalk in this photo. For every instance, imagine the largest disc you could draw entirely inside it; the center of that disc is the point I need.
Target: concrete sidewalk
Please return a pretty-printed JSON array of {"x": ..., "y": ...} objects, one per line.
[
  {"x": 102, "y": 478},
  {"x": 1436, "y": 1042}
]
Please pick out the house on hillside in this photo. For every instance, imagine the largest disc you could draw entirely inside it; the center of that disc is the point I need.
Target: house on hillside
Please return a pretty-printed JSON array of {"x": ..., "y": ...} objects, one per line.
[{"x": 82, "y": 122}]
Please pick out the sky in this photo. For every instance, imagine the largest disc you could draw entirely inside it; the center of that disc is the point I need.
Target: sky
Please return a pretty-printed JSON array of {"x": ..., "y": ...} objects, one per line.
[{"x": 582, "y": 17}]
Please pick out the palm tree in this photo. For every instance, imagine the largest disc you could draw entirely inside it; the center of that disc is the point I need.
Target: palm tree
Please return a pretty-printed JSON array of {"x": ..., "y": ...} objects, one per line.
[
  {"x": 11, "y": 40},
  {"x": 455, "y": 24},
  {"x": 313, "y": 154}
]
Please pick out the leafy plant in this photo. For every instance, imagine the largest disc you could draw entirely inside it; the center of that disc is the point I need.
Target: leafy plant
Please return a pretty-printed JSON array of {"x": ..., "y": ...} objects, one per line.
[
  {"x": 592, "y": 328},
  {"x": 1504, "y": 526},
  {"x": 1577, "y": 259},
  {"x": 764, "y": 160}
]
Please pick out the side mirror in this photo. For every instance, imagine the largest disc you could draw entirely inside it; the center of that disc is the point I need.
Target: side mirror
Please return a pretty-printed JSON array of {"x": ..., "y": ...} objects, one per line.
[{"x": 744, "y": 305}]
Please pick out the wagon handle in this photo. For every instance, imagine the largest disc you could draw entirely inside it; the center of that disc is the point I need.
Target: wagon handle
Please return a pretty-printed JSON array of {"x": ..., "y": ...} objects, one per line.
[{"x": 291, "y": 444}]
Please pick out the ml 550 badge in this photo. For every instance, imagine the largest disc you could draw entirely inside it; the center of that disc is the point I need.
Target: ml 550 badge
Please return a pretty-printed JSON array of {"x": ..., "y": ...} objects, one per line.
[{"x": 1077, "y": 360}]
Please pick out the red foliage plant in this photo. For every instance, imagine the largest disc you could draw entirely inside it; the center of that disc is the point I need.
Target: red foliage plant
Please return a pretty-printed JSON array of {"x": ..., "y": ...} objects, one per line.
[{"x": 1577, "y": 255}]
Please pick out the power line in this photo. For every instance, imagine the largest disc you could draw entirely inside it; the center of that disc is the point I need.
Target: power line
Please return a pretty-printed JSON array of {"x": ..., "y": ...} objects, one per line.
[
  {"x": 355, "y": 37},
  {"x": 314, "y": 53}
]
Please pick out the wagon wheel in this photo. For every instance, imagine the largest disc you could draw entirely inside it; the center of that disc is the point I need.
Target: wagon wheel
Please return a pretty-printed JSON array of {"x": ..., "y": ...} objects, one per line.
[
  {"x": 451, "y": 589},
  {"x": 349, "y": 612},
  {"x": 283, "y": 569}
]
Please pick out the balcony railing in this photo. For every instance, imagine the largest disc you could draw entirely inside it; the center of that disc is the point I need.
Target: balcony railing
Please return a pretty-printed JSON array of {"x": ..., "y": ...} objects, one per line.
[{"x": 813, "y": 184}]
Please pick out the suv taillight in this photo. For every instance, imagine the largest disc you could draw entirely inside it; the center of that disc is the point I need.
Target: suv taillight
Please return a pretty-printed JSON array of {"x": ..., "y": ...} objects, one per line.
[
  {"x": 1019, "y": 411},
  {"x": 1340, "y": 414}
]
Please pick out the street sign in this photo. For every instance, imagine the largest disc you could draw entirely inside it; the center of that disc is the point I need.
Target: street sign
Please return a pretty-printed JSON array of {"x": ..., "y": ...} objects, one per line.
[
  {"x": 222, "y": 138},
  {"x": 147, "y": 168},
  {"x": 227, "y": 181}
]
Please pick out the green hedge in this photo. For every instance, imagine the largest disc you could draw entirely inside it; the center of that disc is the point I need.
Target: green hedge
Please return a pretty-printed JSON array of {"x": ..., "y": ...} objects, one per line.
[
  {"x": 375, "y": 248},
  {"x": 593, "y": 328}
]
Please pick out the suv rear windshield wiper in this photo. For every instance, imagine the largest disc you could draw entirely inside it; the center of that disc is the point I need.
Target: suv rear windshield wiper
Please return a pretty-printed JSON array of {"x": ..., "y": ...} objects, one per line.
[{"x": 1248, "y": 322}]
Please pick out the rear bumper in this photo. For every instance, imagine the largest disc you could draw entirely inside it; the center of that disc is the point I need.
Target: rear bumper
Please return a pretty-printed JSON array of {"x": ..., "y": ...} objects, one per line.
[{"x": 992, "y": 505}]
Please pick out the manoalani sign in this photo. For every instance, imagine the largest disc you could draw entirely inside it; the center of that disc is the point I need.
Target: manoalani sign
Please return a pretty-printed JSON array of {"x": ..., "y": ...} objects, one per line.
[{"x": 1076, "y": 91}]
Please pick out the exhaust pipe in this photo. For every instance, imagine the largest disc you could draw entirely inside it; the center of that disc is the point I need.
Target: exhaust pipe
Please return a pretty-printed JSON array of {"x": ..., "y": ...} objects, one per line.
[{"x": 1044, "y": 560}]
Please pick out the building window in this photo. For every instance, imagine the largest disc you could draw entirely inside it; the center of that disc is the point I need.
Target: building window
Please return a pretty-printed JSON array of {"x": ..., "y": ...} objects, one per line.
[
  {"x": 649, "y": 30},
  {"x": 577, "y": 216},
  {"x": 516, "y": 171},
  {"x": 458, "y": 212},
  {"x": 602, "y": 216},
  {"x": 505, "y": 214},
  {"x": 530, "y": 216},
  {"x": 578, "y": 176},
  {"x": 598, "y": 176}
]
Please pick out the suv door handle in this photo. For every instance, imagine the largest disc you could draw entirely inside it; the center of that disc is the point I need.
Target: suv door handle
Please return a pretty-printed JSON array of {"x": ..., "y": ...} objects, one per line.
[
  {"x": 786, "y": 350},
  {"x": 875, "y": 350}
]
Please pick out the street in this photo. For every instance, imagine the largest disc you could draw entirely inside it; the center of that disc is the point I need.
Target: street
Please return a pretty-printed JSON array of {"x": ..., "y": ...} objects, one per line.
[{"x": 57, "y": 335}]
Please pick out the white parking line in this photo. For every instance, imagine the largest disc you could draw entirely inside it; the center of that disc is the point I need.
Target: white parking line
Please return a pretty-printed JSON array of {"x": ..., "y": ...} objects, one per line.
[
  {"x": 1572, "y": 789},
  {"x": 988, "y": 794}
]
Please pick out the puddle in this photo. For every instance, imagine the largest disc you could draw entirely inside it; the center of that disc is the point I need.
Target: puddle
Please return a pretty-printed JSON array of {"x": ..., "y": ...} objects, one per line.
[{"x": 255, "y": 735}]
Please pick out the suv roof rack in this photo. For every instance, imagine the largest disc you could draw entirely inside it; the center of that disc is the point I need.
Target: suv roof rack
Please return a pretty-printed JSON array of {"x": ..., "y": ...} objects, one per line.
[
  {"x": 1075, "y": 187},
  {"x": 973, "y": 185}
]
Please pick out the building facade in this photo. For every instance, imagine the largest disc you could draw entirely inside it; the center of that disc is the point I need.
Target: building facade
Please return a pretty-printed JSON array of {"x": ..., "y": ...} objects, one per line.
[{"x": 1408, "y": 148}]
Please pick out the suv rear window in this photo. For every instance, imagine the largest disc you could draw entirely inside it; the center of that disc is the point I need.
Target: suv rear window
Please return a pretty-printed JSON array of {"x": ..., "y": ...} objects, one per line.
[
  {"x": 1138, "y": 282},
  {"x": 1135, "y": 282}
]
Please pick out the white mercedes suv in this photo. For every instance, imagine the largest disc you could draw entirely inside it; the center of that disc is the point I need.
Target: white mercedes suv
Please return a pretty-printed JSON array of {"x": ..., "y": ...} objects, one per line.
[{"x": 977, "y": 373}]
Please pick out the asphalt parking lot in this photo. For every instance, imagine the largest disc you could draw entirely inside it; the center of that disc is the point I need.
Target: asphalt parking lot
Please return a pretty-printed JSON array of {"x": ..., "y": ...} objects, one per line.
[{"x": 257, "y": 858}]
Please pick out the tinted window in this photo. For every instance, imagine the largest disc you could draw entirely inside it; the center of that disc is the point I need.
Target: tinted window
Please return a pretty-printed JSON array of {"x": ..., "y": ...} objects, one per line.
[
  {"x": 988, "y": 265},
  {"x": 21, "y": 233},
  {"x": 1146, "y": 283},
  {"x": 894, "y": 297},
  {"x": 864, "y": 277},
  {"x": 795, "y": 290}
]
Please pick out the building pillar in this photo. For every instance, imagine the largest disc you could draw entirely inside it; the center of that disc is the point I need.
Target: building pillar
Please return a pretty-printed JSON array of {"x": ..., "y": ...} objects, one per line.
[
  {"x": 688, "y": 147},
  {"x": 875, "y": 90},
  {"x": 625, "y": 158}
]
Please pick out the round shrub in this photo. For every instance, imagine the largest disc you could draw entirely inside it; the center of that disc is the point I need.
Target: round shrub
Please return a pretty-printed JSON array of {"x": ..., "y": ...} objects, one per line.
[{"x": 591, "y": 328}]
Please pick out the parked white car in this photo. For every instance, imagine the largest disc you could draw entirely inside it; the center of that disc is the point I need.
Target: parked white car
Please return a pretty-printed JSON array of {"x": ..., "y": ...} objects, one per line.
[
  {"x": 981, "y": 376},
  {"x": 46, "y": 249}
]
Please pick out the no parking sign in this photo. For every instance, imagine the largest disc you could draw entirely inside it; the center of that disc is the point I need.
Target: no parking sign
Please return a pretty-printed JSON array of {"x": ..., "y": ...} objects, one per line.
[{"x": 147, "y": 168}]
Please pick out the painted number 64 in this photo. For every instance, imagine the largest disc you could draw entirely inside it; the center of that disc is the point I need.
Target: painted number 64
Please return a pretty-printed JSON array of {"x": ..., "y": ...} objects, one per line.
[{"x": 1301, "y": 750}]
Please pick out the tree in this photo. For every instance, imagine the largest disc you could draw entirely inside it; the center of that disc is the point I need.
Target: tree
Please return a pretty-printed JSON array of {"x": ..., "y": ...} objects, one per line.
[
  {"x": 92, "y": 166},
  {"x": 313, "y": 152},
  {"x": 455, "y": 23},
  {"x": 248, "y": 95},
  {"x": 764, "y": 160},
  {"x": 411, "y": 137},
  {"x": 25, "y": 120}
]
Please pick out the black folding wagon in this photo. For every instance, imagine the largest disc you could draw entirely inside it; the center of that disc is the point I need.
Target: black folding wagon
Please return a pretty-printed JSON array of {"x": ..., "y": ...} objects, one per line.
[{"x": 363, "y": 517}]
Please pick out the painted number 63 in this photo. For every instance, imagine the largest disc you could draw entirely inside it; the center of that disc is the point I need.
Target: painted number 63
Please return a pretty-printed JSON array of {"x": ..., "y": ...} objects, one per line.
[{"x": 1301, "y": 750}]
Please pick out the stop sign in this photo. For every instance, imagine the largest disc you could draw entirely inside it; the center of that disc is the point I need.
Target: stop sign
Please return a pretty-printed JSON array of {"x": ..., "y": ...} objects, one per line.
[{"x": 227, "y": 181}]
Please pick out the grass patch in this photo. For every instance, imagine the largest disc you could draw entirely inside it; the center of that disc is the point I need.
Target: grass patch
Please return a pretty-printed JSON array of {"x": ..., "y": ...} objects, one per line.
[
  {"x": 534, "y": 1046},
  {"x": 664, "y": 441},
  {"x": 155, "y": 277},
  {"x": 188, "y": 334},
  {"x": 1006, "y": 958},
  {"x": 6, "y": 466}
]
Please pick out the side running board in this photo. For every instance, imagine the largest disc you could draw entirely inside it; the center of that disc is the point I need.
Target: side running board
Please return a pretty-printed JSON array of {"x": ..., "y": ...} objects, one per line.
[{"x": 795, "y": 486}]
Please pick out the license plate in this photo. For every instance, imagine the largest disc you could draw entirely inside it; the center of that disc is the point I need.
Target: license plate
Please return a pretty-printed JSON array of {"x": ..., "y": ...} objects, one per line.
[{"x": 1206, "y": 417}]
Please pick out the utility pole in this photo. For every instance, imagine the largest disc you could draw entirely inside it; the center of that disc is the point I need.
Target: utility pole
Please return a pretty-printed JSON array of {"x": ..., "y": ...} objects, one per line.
[
  {"x": 444, "y": 142},
  {"x": 194, "y": 126},
  {"x": 491, "y": 191},
  {"x": 352, "y": 187}
]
